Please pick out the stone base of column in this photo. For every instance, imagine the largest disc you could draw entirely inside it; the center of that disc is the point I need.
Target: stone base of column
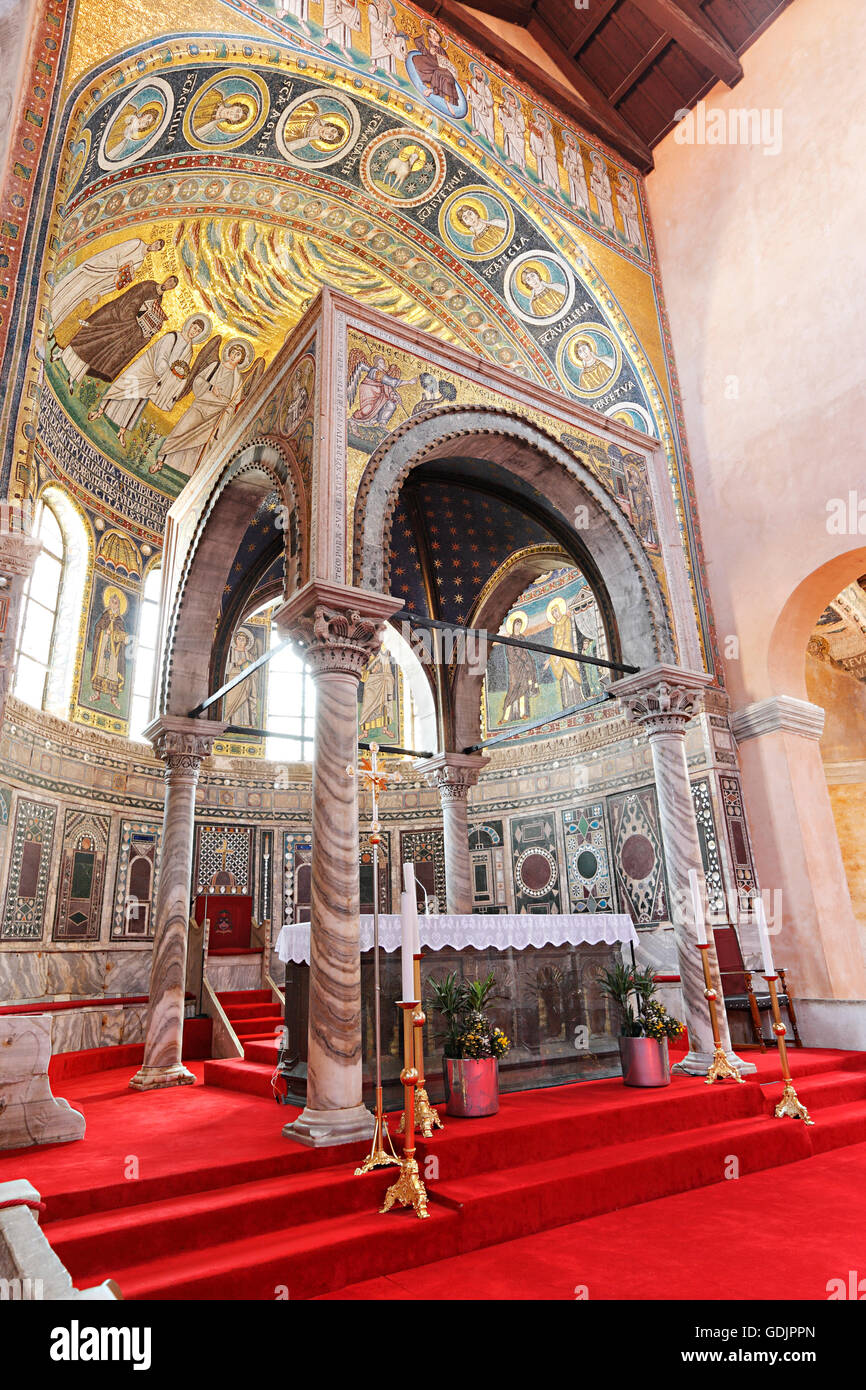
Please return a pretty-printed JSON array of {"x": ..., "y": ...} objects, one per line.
[
  {"x": 699, "y": 1063},
  {"x": 320, "y": 1129},
  {"x": 153, "y": 1078}
]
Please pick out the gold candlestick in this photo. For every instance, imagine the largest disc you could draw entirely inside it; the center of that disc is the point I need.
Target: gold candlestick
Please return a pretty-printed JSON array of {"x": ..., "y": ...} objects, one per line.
[
  {"x": 426, "y": 1118},
  {"x": 720, "y": 1067},
  {"x": 408, "y": 1190},
  {"x": 790, "y": 1103}
]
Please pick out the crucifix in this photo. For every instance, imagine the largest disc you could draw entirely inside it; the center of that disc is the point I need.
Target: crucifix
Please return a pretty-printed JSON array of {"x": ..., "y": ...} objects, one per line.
[{"x": 375, "y": 779}]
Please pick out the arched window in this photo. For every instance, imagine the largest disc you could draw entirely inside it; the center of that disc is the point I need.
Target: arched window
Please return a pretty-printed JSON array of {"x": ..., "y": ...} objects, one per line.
[
  {"x": 145, "y": 653},
  {"x": 51, "y": 620},
  {"x": 291, "y": 705}
]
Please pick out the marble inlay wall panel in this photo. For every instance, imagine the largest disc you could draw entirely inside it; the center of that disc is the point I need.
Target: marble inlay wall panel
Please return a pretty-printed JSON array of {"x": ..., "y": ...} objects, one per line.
[
  {"x": 709, "y": 844},
  {"x": 738, "y": 836},
  {"x": 426, "y": 850},
  {"x": 136, "y": 879},
  {"x": 224, "y": 858},
  {"x": 29, "y": 871},
  {"x": 535, "y": 864},
  {"x": 487, "y": 855},
  {"x": 587, "y": 858},
  {"x": 638, "y": 855},
  {"x": 27, "y": 976},
  {"x": 82, "y": 876}
]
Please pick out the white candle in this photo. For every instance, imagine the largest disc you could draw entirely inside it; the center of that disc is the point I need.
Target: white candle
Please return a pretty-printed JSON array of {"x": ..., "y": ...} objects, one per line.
[
  {"x": 412, "y": 906},
  {"x": 764, "y": 937},
  {"x": 698, "y": 907},
  {"x": 407, "y": 963}
]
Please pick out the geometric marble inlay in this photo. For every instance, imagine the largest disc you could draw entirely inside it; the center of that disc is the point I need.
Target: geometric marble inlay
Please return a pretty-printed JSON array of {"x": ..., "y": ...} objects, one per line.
[
  {"x": 587, "y": 859},
  {"x": 29, "y": 866},
  {"x": 637, "y": 854}
]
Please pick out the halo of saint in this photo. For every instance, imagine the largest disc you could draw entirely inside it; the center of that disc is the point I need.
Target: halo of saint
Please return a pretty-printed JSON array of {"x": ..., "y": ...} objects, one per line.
[
  {"x": 137, "y": 124},
  {"x": 228, "y": 110},
  {"x": 539, "y": 287},
  {"x": 589, "y": 360},
  {"x": 317, "y": 128},
  {"x": 475, "y": 223}
]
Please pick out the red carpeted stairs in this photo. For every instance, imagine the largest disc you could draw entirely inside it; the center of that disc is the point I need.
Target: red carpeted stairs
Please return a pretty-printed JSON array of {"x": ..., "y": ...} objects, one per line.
[
  {"x": 298, "y": 1223},
  {"x": 258, "y": 1023}
]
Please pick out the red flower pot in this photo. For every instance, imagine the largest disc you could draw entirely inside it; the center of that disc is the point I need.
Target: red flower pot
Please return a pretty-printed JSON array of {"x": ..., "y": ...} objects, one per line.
[{"x": 471, "y": 1086}]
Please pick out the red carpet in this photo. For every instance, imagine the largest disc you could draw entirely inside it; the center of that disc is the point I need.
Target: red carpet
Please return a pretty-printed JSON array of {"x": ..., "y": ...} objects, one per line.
[{"x": 223, "y": 1207}]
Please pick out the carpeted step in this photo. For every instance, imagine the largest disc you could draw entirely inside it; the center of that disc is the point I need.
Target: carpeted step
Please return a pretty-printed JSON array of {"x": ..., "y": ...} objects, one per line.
[
  {"x": 265, "y": 1051},
  {"x": 311, "y": 1259},
  {"x": 257, "y": 1027},
  {"x": 837, "y": 1127},
  {"x": 236, "y": 1074},
  {"x": 244, "y": 996},
  {"x": 152, "y": 1230},
  {"x": 817, "y": 1092},
  {"x": 254, "y": 1010}
]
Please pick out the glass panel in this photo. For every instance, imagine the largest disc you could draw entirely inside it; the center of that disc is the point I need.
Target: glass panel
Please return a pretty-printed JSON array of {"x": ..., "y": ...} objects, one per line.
[
  {"x": 45, "y": 582},
  {"x": 147, "y": 628},
  {"x": 30, "y": 681},
  {"x": 36, "y": 637}
]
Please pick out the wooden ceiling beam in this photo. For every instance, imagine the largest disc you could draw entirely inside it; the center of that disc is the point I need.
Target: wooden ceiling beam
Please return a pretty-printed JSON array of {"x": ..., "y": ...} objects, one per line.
[
  {"x": 639, "y": 69},
  {"x": 580, "y": 100},
  {"x": 694, "y": 33},
  {"x": 615, "y": 128},
  {"x": 600, "y": 11}
]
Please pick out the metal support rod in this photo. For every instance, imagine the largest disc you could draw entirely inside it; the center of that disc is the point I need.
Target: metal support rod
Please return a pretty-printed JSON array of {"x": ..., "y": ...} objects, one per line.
[
  {"x": 241, "y": 676},
  {"x": 521, "y": 729},
  {"x": 245, "y": 731},
  {"x": 436, "y": 623}
]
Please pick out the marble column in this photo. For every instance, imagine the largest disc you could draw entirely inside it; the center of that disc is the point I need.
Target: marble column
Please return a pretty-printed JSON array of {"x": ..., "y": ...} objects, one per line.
[
  {"x": 182, "y": 744},
  {"x": 662, "y": 700},
  {"x": 453, "y": 774},
  {"x": 339, "y": 628},
  {"x": 18, "y": 552}
]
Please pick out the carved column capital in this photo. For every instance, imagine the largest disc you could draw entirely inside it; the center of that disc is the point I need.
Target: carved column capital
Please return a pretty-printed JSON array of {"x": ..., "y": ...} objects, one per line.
[
  {"x": 18, "y": 552},
  {"x": 339, "y": 628},
  {"x": 663, "y": 698},
  {"x": 183, "y": 743},
  {"x": 453, "y": 774}
]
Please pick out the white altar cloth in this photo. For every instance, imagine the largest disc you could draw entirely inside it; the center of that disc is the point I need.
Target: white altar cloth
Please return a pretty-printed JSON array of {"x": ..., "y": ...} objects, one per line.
[{"x": 478, "y": 930}]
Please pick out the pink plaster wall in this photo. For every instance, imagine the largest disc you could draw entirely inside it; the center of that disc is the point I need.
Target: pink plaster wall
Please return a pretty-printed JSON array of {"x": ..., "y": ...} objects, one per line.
[{"x": 763, "y": 260}]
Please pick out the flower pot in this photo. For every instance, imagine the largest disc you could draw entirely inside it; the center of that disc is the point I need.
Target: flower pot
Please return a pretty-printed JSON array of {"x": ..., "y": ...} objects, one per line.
[
  {"x": 471, "y": 1086},
  {"x": 645, "y": 1061}
]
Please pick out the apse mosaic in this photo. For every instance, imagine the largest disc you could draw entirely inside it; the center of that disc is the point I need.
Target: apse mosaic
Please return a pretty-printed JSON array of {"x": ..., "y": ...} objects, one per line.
[
  {"x": 105, "y": 679},
  {"x": 521, "y": 686}
]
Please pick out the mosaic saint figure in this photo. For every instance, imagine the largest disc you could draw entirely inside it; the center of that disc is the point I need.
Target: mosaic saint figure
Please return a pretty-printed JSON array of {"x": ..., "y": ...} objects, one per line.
[
  {"x": 158, "y": 376},
  {"x": 98, "y": 275},
  {"x": 130, "y": 127},
  {"x": 240, "y": 705},
  {"x": 627, "y": 201},
  {"x": 522, "y": 676},
  {"x": 599, "y": 182},
  {"x": 215, "y": 384},
  {"x": 376, "y": 386},
  {"x": 437, "y": 73},
  {"x": 387, "y": 45},
  {"x": 544, "y": 298},
  {"x": 572, "y": 160},
  {"x": 377, "y": 703},
  {"x": 108, "y": 656},
  {"x": 298, "y": 10},
  {"x": 487, "y": 233},
  {"x": 217, "y": 112},
  {"x": 481, "y": 106},
  {"x": 595, "y": 370},
  {"x": 339, "y": 20},
  {"x": 568, "y": 673},
  {"x": 111, "y": 336},
  {"x": 543, "y": 147},
  {"x": 513, "y": 124},
  {"x": 307, "y": 124}
]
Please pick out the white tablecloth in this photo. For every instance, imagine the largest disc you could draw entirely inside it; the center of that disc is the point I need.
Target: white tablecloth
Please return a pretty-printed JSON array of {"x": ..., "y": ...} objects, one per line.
[{"x": 477, "y": 929}]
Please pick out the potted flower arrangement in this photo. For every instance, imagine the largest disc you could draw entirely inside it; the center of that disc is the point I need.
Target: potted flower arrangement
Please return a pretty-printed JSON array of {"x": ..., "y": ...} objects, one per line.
[
  {"x": 472, "y": 1045},
  {"x": 646, "y": 1025}
]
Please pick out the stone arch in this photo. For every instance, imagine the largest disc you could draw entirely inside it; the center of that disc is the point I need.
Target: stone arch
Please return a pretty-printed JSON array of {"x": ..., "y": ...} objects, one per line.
[
  {"x": 257, "y": 469},
  {"x": 607, "y": 547},
  {"x": 786, "y": 655}
]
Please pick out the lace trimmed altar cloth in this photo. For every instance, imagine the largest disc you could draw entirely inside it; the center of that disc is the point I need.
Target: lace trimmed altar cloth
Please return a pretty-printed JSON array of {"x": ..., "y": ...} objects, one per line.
[{"x": 478, "y": 930}]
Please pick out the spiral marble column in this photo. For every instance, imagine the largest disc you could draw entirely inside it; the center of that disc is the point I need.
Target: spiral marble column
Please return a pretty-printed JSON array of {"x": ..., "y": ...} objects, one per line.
[
  {"x": 182, "y": 744},
  {"x": 453, "y": 774},
  {"x": 662, "y": 700},
  {"x": 339, "y": 628}
]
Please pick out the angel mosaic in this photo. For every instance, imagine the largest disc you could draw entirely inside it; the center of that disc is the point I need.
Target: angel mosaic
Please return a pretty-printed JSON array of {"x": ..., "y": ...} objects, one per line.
[{"x": 377, "y": 388}]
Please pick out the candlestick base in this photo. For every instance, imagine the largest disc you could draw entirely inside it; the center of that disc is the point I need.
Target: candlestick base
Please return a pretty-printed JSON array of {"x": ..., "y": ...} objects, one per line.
[
  {"x": 378, "y": 1157},
  {"x": 408, "y": 1190},
  {"x": 791, "y": 1105},
  {"x": 721, "y": 1068},
  {"x": 426, "y": 1118}
]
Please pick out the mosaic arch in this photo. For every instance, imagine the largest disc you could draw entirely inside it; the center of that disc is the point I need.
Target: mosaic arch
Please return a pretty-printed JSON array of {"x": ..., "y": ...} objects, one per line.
[{"x": 206, "y": 187}]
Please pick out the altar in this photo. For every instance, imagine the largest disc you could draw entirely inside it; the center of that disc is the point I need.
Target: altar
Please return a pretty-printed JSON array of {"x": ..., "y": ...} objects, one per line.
[{"x": 546, "y": 998}]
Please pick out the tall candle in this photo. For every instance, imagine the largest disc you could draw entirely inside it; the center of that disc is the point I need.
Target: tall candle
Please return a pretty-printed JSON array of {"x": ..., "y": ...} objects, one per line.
[
  {"x": 409, "y": 886},
  {"x": 764, "y": 937},
  {"x": 407, "y": 964},
  {"x": 698, "y": 907}
]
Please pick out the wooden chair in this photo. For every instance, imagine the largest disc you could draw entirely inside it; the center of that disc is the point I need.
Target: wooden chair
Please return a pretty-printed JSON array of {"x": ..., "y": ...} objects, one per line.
[{"x": 740, "y": 995}]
